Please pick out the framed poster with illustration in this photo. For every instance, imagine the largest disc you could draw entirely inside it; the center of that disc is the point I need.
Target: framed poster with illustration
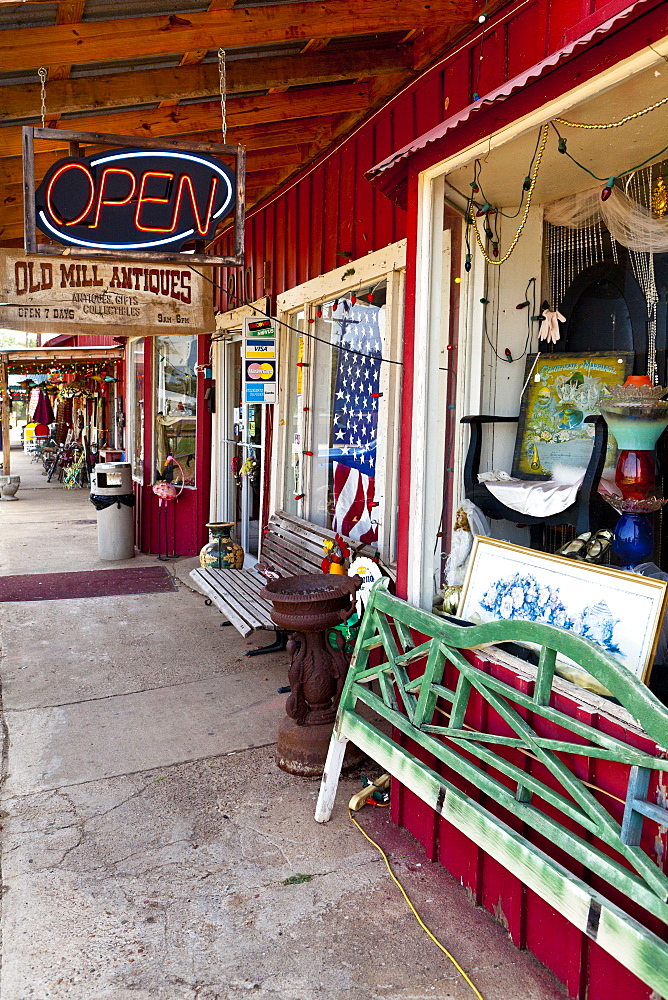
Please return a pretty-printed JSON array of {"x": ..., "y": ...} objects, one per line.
[
  {"x": 621, "y": 612},
  {"x": 561, "y": 391}
]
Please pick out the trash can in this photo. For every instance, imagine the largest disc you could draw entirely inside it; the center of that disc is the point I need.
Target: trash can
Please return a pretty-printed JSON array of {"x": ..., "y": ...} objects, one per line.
[{"x": 112, "y": 496}]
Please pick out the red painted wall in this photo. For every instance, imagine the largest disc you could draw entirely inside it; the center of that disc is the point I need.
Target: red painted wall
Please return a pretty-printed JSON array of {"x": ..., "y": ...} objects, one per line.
[{"x": 331, "y": 213}]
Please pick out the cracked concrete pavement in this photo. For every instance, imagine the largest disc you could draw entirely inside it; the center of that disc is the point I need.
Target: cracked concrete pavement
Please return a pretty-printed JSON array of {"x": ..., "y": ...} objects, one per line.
[{"x": 148, "y": 835}]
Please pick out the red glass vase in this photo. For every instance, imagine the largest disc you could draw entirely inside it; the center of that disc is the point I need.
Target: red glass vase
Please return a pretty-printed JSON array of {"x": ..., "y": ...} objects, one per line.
[{"x": 636, "y": 474}]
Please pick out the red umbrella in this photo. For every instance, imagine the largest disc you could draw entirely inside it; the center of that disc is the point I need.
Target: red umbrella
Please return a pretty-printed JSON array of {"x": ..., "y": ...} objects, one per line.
[{"x": 43, "y": 411}]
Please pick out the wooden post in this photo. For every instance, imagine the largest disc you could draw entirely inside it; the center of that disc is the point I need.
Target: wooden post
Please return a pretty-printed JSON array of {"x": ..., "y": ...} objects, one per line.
[{"x": 6, "y": 404}]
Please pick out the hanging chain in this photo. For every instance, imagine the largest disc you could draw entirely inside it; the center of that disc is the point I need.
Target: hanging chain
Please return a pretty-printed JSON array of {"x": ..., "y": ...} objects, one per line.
[
  {"x": 43, "y": 73},
  {"x": 222, "y": 75}
]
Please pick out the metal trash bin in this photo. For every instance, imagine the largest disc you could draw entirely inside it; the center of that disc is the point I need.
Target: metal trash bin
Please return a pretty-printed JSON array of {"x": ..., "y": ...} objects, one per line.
[{"x": 112, "y": 496}]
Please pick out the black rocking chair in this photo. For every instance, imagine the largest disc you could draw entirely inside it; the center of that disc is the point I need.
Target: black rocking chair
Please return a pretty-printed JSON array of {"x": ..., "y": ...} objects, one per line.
[{"x": 589, "y": 512}]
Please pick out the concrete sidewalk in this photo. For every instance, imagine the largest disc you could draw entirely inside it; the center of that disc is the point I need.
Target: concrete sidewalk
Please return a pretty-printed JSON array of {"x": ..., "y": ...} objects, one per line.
[{"x": 148, "y": 835}]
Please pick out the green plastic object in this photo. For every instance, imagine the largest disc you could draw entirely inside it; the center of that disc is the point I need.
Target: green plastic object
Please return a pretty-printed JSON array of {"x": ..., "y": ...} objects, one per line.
[{"x": 348, "y": 630}]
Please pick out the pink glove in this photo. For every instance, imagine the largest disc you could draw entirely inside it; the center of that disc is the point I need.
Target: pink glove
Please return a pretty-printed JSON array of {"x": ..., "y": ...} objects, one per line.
[{"x": 549, "y": 329}]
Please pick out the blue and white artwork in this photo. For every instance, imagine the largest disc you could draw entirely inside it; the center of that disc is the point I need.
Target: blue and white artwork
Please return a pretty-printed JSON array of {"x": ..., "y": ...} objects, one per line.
[
  {"x": 522, "y": 596},
  {"x": 621, "y": 612}
]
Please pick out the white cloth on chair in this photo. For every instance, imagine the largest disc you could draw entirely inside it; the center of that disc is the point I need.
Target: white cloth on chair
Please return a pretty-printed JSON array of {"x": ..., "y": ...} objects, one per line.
[{"x": 540, "y": 498}]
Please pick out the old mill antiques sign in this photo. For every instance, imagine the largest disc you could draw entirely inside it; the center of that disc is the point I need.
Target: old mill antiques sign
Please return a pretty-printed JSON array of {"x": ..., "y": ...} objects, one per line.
[
  {"x": 133, "y": 200},
  {"x": 53, "y": 295}
]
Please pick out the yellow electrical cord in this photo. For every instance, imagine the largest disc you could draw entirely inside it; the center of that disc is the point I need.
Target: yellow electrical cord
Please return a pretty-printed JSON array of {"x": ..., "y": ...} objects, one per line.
[{"x": 415, "y": 913}]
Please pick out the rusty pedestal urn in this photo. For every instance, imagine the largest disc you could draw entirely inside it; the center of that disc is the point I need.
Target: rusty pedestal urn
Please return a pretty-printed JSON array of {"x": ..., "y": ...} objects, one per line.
[{"x": 308, "y": 607}]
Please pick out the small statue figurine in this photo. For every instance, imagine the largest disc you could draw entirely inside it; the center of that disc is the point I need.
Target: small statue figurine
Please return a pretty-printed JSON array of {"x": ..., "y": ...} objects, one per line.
[{"x": 660, "y": 198}]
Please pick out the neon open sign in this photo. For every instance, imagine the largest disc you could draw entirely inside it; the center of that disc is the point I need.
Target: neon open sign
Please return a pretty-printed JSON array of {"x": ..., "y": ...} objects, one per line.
[{"x": 134, "y": 199}]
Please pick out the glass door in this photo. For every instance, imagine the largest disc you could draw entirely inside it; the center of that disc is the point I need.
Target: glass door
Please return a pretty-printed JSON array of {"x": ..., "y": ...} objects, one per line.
[{"x": 241, "y": 471}]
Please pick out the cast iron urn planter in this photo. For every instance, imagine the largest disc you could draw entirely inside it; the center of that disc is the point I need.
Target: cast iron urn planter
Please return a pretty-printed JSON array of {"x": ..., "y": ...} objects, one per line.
[{"x": 308, "y": 607}]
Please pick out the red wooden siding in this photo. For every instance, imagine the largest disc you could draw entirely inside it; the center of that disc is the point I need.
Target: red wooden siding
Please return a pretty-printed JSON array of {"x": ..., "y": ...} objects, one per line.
[{"x": 332, "y": 214}]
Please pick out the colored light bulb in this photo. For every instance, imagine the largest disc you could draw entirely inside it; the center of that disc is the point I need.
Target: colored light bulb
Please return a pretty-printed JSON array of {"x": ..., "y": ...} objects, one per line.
[{"x": 607, "y": 190}]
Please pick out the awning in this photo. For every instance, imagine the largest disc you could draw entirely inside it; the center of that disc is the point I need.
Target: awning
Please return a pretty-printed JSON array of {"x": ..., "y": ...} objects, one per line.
[
  {"x": 22, "y": 359},
  {"x": 390, "y": 175}
]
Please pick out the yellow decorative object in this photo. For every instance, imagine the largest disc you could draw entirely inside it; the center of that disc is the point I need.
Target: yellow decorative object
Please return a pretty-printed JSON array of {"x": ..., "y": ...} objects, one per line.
[
  {"x": 337, "y": 569},
  {"x": 451, "y": 598},
  {"x": 535, "y": 459},
  {"x": 660, "y": 198}
]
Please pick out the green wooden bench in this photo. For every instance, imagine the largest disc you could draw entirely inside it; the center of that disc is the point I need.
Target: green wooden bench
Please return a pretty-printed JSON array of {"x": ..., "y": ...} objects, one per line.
[{"x": 428, "y": 693}]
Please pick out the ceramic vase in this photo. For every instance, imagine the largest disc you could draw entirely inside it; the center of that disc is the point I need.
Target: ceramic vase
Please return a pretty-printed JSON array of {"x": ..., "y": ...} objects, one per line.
[
  {"x": 9, "y": 486},
  {"x": 221, "y": 551}
]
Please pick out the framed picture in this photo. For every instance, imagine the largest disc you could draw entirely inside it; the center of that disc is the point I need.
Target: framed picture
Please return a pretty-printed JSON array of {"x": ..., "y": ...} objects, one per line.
[
  {"x": 621, "y": 612},
  {"x": 561, "y": 391}
]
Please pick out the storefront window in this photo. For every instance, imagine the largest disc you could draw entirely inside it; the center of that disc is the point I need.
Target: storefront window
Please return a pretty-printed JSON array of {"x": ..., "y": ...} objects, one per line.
[
  {"x": 338, "y": 424},
  {"x": 345, "y": 413},
  {"x": 136, "y": 409},
  {"x": 175, "y": 405}
]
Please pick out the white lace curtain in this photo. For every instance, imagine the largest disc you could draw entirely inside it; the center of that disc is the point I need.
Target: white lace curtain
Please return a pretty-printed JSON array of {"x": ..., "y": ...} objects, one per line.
[{"x": 628, "y": 222}]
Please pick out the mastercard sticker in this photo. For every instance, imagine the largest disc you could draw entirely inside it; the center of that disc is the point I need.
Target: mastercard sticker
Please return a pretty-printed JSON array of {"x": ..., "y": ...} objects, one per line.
[{"x": 260, "y": 370}]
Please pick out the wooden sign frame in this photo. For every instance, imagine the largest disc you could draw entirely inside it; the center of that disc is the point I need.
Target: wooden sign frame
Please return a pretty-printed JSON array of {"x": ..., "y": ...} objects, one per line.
[{"x": 75, "y": 142}]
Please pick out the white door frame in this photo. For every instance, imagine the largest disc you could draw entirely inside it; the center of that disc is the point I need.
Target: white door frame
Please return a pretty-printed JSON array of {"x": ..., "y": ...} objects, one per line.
[{"x": 228, "y": 329}]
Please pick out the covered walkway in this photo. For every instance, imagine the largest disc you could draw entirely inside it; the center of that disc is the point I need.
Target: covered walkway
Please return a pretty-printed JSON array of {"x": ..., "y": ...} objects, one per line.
[{"x": 149, "y": 840}]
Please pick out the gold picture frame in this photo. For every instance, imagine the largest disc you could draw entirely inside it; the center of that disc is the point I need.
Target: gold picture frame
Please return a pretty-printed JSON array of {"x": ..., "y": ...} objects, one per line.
[{"x": 622, "y": 612}]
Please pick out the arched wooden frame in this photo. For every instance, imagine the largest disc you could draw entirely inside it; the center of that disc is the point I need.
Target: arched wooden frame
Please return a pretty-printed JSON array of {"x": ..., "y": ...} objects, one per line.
[{"x": 629, "y": 290}]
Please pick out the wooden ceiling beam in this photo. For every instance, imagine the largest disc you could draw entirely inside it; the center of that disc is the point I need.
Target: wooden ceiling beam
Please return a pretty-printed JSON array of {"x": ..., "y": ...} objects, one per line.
[
  {"x": 316, "y": 44},
  {"x": 99, "y": 41},
  {"x": 429, "y": 44},
  {"x": 69, "y": 12},
  {"x": 302, "y": 133},
  {"x": 196, "y": 56},
  {"x": 302, "y": 130},
  {"x": 242, "y": 112},
  {"x": 120, "y": 90}
]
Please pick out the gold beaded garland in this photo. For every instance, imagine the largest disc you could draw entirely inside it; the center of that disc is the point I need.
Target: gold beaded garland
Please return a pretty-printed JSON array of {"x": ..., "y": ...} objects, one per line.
[
  {"x": 533, "y": 175},
  {"x": 622, "y": 121}
]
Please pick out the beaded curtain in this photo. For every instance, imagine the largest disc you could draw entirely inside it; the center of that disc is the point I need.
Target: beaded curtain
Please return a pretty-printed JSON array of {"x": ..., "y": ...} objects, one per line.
[{"x": 575, "y": 238}]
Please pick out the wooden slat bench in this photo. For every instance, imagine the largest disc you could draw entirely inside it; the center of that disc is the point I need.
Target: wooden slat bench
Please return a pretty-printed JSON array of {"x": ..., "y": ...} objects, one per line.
[{"x": 290, "y": 546}]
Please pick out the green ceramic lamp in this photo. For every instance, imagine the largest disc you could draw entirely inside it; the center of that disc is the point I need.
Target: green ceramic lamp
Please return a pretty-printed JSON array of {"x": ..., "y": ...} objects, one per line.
[{"x": 637, "y": 417}]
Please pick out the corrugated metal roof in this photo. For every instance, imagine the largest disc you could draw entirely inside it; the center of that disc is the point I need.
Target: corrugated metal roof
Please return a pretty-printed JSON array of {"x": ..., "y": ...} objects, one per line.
[
  {"x": 503, "y": 92},
  {"x": 267, "y": 3},
  {"x": 107, "y": 10},
  {"x": 28, "y": 16}
]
